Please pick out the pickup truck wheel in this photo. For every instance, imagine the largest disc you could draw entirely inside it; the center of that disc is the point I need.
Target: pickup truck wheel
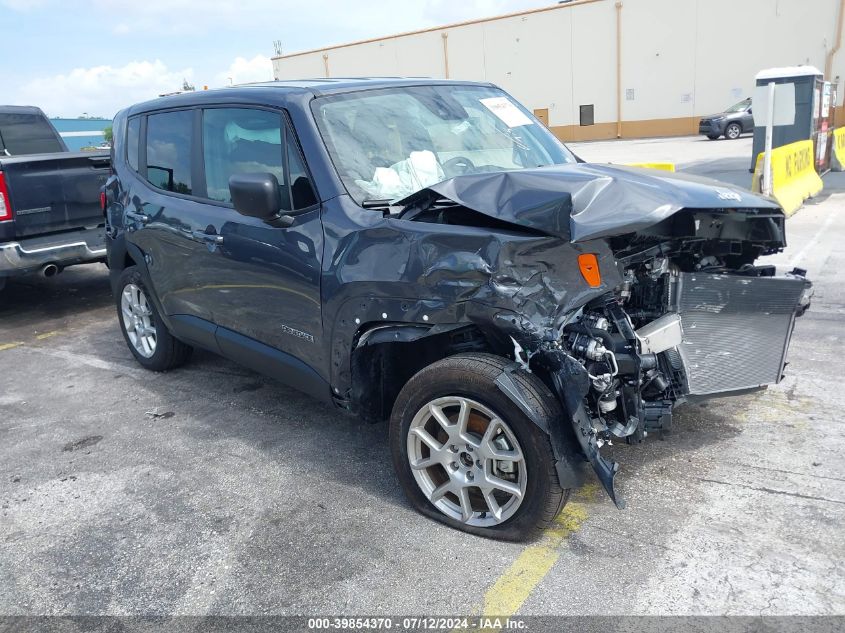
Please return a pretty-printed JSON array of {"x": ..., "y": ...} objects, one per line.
[
  {"x": 733, "y": 131},
  {"x": 468, "y": 457},
  {"x": 145, "y": 333}
]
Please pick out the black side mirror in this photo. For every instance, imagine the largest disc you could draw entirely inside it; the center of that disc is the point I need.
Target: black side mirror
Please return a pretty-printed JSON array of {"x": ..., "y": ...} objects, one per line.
[{"x": 256, "y": 195}]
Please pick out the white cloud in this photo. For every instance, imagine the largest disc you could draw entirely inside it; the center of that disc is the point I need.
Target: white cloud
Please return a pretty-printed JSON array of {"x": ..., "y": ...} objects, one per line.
[
  {"x": 197, "y": 39},
  {"x": 244, "y": 71},
  {"x": 101, "y": 90}
]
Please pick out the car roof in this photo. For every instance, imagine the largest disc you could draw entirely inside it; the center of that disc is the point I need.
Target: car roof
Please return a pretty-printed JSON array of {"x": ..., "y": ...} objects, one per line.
[
  {"x": 283, "y": 91},
  {"x": 10, "y": 109},
  {"x": 330, "y": 85}
]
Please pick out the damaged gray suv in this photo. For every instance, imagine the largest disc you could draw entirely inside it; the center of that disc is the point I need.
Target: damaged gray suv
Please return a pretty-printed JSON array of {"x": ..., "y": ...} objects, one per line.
[{"x": 426, "y": 253}]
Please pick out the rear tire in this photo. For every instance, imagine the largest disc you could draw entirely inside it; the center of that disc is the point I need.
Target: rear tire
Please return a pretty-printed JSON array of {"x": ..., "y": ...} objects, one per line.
[
  {"x": 152, "y": 345},
  {"x": 499, "y": 473}
]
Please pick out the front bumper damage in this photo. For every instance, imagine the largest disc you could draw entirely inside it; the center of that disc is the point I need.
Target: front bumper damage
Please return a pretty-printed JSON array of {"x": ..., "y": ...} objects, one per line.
[
  {"x": 721, "y": 335},
  {"x": 681, "y": 309}
]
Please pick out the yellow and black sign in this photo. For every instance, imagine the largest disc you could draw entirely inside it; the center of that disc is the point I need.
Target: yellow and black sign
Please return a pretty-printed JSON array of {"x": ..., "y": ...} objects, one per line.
[
  {"x": 837, "y": 154},
  {"x": 794, "y": 177}
]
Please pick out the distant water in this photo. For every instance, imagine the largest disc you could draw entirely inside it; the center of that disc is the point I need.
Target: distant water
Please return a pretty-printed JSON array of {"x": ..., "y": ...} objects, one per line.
[{"x": 79, "y": 133}]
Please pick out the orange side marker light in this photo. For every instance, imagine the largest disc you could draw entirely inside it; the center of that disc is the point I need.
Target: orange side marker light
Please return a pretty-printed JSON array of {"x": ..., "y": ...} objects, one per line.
[{"x": 589, "y": 265}]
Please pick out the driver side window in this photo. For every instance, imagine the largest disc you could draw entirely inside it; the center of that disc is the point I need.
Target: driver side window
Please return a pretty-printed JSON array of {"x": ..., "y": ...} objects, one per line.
[{"x": 246, "y": 140}]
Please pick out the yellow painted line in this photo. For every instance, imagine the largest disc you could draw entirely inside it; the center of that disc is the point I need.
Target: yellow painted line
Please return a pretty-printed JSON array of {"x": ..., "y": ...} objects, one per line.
[
  {"x": 41, "y": 337},
  {"x": 5, "y": 346},
  {"x": 513, "y": 587}
]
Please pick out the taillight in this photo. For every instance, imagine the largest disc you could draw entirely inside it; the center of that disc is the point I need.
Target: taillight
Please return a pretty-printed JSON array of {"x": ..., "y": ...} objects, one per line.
[
  {"x": 589, "y": 265},
  {"x": 103, "y": 202},
  {"x": 5, "y": 201}
]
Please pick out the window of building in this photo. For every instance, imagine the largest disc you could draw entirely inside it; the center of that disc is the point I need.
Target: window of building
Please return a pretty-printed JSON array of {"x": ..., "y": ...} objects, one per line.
[{"x": 587, "y": 114}]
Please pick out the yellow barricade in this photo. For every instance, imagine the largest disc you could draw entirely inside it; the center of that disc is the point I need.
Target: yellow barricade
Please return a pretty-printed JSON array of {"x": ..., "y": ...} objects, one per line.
[
  {"x": 794, "y": 177},
  {"x": 837, "y": 152},
  {"x": 663, "y": 166}
]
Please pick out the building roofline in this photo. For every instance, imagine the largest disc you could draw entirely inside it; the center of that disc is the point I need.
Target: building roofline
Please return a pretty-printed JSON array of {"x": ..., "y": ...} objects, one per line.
[{"x": 554, "y": 7}]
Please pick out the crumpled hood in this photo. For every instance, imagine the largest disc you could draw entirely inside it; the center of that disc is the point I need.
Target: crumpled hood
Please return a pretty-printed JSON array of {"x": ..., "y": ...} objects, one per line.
[{"x": 584, "y": 201}]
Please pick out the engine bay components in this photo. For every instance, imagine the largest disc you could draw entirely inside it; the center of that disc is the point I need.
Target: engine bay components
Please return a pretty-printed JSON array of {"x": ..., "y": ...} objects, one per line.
[{"x": 668, "y": 334}]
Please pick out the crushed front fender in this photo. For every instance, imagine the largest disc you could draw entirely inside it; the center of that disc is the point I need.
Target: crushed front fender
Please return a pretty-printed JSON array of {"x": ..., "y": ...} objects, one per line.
[{"x": 571, "y": 382}]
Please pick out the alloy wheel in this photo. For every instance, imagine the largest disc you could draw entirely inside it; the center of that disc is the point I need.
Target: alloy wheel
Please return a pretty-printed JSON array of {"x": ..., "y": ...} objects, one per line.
[
  {"x": 138, "y": 320},
  {"x": 467, "y": 461}
]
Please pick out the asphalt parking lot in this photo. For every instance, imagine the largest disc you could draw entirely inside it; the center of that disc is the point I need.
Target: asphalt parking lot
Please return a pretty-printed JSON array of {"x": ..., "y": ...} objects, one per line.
[{"x": 212, "y": 490}]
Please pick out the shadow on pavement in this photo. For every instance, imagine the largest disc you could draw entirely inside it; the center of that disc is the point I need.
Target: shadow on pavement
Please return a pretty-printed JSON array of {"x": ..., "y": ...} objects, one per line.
[{"x": 29, "y": 301}]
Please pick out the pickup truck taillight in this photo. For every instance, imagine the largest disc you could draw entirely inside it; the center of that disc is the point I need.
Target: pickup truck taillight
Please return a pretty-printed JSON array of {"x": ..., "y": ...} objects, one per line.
[{"x": 5, "y": 201}]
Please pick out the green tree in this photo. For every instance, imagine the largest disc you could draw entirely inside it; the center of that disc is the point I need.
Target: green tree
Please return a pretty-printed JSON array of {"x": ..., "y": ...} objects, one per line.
[{"x": 107, "y": 134}]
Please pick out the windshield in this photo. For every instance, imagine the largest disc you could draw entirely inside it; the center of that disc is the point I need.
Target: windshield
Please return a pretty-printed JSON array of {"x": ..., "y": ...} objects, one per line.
[
  {"x": 742, "y": 106},
  {"x": 388, "y": 144}
]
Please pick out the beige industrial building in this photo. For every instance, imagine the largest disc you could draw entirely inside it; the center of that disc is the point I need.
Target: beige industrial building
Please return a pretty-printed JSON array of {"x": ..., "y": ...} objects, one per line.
[{"x": 598, "y": 69}]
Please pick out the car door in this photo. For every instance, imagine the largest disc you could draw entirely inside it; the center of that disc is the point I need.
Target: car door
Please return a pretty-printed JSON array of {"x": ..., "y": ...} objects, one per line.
[
  {"x": 165, "y": 218},
  {"x": 748, "y": 120},
  {"x": 264, "y": 277}
]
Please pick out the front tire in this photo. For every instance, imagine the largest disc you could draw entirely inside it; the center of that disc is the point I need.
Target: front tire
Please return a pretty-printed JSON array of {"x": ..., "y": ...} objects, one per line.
[
  {"x": 733, "y": 131},
  {"x": 152, "y": 345},
  {"x": 468, "y": 457}
]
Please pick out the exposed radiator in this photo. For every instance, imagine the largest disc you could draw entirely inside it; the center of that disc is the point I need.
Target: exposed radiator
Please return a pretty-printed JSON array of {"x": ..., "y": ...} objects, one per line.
[{"x": 736, "y": 329}]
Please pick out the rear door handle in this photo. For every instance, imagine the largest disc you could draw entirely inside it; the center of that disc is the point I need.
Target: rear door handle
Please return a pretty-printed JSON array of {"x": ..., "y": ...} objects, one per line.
[
  {"x": 138, "y": 217},
  {"x": 207, "y": 238}
]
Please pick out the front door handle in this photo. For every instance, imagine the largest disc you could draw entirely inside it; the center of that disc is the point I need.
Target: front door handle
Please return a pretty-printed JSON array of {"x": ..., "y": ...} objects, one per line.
[
  {"x": 207, "y": 238},
  {"x": 138, "y": 217}
]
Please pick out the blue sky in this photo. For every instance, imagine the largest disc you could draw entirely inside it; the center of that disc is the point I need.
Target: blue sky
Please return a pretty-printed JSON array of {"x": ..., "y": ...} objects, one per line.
[{"x": 96, "y": 56}]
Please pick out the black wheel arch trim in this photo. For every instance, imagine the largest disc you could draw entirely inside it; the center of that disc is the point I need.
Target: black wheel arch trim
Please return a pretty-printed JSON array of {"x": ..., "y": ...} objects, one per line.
[
  {"x": 118, "y": 249},
  {"x": 413, "y": 319},
  {"x": 570, "y": 382},
  {"x": 569, "y": 465}
]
